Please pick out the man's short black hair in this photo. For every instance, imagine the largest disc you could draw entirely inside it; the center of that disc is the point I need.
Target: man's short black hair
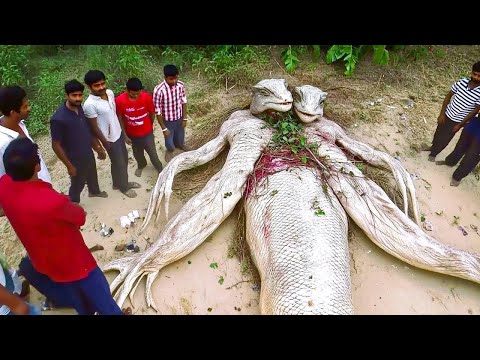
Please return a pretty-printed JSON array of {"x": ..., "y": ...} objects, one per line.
[
  {"x": 73, "y": 86},
  {"x": 476, "y": 67},
  {"x": 170, "y": 70},
  {"x": 11, "y": 98},
  {"x": 20, "y": 158},
  {"x": 134, "y": 84},
  {"x": 93, "y": 76}
]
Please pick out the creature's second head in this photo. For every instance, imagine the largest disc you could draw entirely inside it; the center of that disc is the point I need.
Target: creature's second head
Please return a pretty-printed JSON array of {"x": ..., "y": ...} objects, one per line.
[
  {"x": 271, "y": 95},
  {"x": 308, "y": 103}
]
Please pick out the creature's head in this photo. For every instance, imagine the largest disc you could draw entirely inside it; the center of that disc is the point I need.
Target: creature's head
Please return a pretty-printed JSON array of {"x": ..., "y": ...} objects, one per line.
[
  {"x": 271, "y": 94},
  {"x": 308, "y": 103}
]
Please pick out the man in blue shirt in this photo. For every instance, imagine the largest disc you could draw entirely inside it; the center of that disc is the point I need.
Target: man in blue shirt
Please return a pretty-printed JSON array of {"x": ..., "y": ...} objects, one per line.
[{"x": 72, "y": 142}]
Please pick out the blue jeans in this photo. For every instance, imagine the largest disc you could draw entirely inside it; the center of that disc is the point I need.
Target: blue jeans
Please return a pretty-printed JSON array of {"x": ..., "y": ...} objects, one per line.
[
  {"x": 177, "y": 134},
  {"x": 87, "y": 296}
]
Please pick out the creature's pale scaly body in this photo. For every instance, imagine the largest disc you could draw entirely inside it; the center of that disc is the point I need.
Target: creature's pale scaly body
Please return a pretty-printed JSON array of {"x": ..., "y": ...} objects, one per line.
[{"x": 302, "y": 258}]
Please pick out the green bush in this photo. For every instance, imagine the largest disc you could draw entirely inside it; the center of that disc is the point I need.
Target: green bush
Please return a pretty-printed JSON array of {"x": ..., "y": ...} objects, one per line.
[
  {"x": 49, "y": 96},
  {"x": 13, "y": 63}
]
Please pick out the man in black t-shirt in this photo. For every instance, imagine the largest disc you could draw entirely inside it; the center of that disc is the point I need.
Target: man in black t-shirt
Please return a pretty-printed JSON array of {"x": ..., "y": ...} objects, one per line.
[{"x": 72, "y": 142}]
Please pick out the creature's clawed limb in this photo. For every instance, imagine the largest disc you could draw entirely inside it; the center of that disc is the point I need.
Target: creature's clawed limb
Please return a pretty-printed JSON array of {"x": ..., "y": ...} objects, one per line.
[
  {"x": 181, "y": 162},
  {"x": 200, "y": 216},
  {"x": 378, "y": 159},
  {"x": 373, "y": 211}
]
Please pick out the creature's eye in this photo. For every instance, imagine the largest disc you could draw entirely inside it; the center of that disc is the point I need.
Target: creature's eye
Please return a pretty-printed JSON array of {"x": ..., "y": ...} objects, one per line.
[{"x": 264, "y": 92}]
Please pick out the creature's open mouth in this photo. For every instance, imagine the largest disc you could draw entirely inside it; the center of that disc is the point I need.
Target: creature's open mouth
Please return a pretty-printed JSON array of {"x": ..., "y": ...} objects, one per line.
[
  {"x": 280, "y": 103},
  {"x": 306, "y": 114}
]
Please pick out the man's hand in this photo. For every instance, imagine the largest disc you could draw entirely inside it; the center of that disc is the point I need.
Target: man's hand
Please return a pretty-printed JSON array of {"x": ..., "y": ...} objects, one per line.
[
  {"x": 107, "y": 145},
  {"x": 442, "y": 118},
  {"x": 20, "y": 307},
  {"x": 166, "y": 132},
  {"x": 128, "y": 141},
  {"x": 456, "y": 128},
  {"x": 184, "y": 123},
  {"x": 102, "y": 155},
  {"x": 72, "y": 170}
]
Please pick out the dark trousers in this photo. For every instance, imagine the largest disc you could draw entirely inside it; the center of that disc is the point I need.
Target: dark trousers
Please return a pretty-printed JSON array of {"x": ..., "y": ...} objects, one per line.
[
  {"x": 145, "y": 143},
  {"x": 468, "y": 147},
  {"x": 118, "y": 155},
  {"x": 86, "y": 173},
  {"x": 177, "y": 134},
  {"x": 442, "y": 137},
  {"x": 86, "y": 296}
]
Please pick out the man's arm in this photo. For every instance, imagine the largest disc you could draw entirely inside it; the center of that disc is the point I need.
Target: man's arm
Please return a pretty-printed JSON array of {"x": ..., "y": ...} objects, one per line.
[
  {"x": 184, "y": 115},
  {"x": 56, "y": 131},
  {"x": 58, "y": 150},
  {"x": 121, "y": 119},
  {"x": 183, "y": 99},
  {"x": 91, "y": 114},
  {"x": 161, "y": 121},
  {"x": 150, "y": 107},
  {"x": 97, "y": 146},
  {"x": 13, "y": 301},
  {"x": 157, "y": 98},
  {"x": 97, "y": 132},
  {"x": 70, "y": 213},
  {"x": 443, "y": 116},
  {"x": 467, "y": 119}
]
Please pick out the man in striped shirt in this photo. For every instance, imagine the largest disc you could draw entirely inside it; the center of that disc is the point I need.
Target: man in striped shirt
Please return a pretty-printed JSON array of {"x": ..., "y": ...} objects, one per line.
[
  {"x": 169, "y": 99},
  {"x": 455, "y": 114}
]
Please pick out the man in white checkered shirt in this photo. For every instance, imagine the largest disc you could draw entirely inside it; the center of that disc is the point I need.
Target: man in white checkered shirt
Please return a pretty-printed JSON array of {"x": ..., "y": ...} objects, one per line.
[
  {"x": 455, "y": 114},
  {"x": 169, "y": 99}
]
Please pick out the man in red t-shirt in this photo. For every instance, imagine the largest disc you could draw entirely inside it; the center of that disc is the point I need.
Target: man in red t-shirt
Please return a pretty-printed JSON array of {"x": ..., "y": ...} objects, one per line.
[
  {"x": 136, "y": 113},
  {"x": 59, "y": 264}
]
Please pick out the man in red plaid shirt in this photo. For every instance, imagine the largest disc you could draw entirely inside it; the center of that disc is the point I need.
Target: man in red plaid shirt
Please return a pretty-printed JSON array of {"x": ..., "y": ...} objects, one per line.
[{"x": 169, "y": 99}]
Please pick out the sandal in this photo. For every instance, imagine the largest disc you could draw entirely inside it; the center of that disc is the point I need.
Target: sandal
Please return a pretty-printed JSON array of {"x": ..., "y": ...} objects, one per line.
[
  {"x": 130, "y": 193},
  {"x": 134, "y": 185},
  {"x": 101, "y": 194}
]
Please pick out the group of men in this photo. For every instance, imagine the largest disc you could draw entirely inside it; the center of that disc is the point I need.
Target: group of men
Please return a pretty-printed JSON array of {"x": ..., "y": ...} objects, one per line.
[{"x": 58, "y": 262}]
